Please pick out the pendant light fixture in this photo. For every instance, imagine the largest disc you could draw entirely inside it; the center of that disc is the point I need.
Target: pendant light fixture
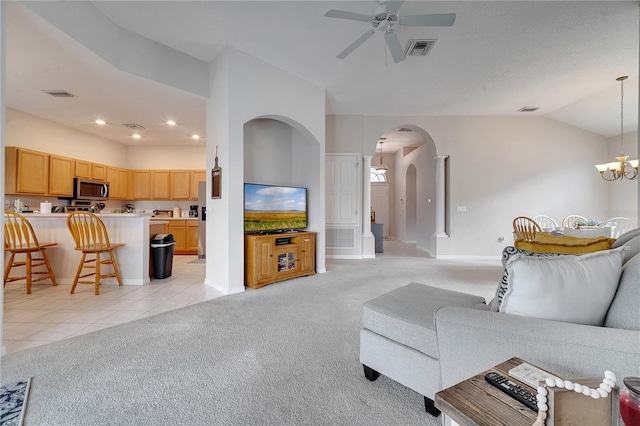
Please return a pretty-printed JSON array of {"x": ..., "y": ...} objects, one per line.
[
  {"x": 381, "y": 168},
  {"x": 623, "y": 168}
]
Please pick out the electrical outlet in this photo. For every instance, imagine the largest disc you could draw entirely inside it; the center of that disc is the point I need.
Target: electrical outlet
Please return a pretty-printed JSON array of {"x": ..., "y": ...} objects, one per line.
[{"x": 461, "y": 209}]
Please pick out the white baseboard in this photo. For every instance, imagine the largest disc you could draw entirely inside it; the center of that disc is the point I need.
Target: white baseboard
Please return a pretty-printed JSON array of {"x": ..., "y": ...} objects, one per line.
[{"x": 344, "y": 256}]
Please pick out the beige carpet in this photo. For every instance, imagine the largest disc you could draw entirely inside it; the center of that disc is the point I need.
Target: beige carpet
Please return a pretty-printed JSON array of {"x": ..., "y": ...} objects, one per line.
[{"x": 286, "y": 354}]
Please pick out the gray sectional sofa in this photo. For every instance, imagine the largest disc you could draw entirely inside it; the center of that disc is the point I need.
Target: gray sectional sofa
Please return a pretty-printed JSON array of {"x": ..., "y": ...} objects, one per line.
[{"x": 428, "y": 339}]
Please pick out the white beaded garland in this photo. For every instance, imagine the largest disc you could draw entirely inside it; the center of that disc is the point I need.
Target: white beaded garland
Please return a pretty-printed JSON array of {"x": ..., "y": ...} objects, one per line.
[{"x": 602, "y": 391}]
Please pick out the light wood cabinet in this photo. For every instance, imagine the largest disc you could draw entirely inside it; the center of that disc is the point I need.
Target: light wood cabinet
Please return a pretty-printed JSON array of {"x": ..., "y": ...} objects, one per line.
[
  {"x": 192, "y": 236},
  {"x": 141, "y": 184},
  {"x": 180, "y": 181},
  {"x": 61, "y": 172},
  {"x": 26, "y": 171},
  {"x": 278, "y": 257},
  {"x": 118, "y": 183},
  {"x": 88, "y": 170},
  {"x": 196, "y": 176},
  {"x": 160, "y": 184},
  {"x": 98, "y": 172},
  {"x": 185, "y": 232},
  {"x": 83, "y": 169}
]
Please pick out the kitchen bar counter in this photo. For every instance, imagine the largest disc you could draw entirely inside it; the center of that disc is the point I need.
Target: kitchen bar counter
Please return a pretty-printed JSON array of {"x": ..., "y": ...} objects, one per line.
[{"x": 131, "y": 229}]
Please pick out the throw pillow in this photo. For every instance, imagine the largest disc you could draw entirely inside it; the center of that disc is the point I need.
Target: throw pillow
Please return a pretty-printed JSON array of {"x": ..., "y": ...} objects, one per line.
[
  {"x": 507, "y": 254},
  {"x": 577, "y": 289},
  {"x": 622, "y": 239},
  {"x": 547, "y": 243}
]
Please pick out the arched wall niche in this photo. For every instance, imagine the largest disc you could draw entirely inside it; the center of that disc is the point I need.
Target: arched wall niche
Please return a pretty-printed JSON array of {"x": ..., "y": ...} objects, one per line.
[{"x": 280, "y": 151}]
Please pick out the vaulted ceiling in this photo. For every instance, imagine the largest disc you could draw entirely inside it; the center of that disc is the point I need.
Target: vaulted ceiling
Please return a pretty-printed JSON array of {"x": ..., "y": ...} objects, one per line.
[{"x": 498, "y": 57}]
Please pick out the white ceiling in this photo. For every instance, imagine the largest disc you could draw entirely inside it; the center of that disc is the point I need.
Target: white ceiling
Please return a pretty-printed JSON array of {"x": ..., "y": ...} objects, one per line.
[{"x": 498, "y": 57}]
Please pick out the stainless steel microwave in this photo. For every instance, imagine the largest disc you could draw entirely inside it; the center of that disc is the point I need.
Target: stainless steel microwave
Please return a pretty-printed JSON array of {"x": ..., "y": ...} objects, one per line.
[{"x": 84, "y": 189}]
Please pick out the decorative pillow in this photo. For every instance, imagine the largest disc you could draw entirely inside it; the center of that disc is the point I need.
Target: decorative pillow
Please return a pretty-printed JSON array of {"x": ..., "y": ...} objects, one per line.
[
  {"x": 622, "y": 239},
  {"x": 547, "y": 243},
  {"x": 633, "y": 248},
  {"x": 507, "y": 254},
  {"x": 577, "y": 289}
]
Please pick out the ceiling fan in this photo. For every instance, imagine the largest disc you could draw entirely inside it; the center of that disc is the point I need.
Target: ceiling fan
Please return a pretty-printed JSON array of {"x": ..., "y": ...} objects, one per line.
[{"x": 384, "y": 17}]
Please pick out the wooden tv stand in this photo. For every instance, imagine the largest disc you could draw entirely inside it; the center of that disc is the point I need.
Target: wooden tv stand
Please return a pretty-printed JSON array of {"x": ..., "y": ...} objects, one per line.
[{"x": 269, "y": 258}]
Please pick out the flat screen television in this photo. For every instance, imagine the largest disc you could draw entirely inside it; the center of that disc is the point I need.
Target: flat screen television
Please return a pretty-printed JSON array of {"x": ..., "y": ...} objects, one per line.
[{"x": 274, "y": 208}]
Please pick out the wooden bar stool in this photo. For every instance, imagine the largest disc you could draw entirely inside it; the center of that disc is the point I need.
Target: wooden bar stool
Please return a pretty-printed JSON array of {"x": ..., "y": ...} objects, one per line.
[
  {"x": 19, "y": 238},
  {"x": 91, "y": 238}
]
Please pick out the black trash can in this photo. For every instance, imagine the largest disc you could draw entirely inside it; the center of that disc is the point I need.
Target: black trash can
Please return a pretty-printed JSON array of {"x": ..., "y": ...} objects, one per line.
[{"x": 162, "y": 255}]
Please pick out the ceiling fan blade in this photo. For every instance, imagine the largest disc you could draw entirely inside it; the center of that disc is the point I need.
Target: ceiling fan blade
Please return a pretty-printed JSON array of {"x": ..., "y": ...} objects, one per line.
[
  {"x": 394, "y": 46},
  {"x": 393, "y": 5},
  {"x": 342, "y": 14},
  {"x": 353, "y": 46},
  {"x": 436, "y": 20}
]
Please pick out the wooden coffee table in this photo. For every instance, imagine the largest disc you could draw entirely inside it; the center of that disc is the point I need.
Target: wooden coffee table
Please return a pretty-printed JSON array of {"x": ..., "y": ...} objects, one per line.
[{"x": 474, "y": 402}]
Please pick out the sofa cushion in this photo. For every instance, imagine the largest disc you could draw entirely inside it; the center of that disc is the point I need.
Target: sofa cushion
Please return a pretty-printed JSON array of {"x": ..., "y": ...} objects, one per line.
[
  {"x": 626, "y": 237},
  {"x": 547, "y": 243},
  {"x": 571, "y": 288},
  {"x": 507, "y": 253},
  {"x": 633, "y": 248},
  {"x": 624, "y": 311},
  {"x": 407, "y": 314}
]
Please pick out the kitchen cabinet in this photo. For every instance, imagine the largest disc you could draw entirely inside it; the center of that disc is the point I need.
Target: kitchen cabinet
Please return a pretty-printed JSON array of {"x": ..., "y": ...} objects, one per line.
[
  {"x": 192, "y": 236},
  {"x": 180, "y": 184},
  {"x": 160, "y": 184},
  {"x": 277, "y": 257},
  {"x": 26, "y": 171},
  {"x": 196, "y": 176},
  {"x": 118, "y": 183},
  {"x": 185, "y": 232},
  {"x": 141, "y": 184},
  {"x": 61, "y": 172},
  {"x": 89, "y": 170}
]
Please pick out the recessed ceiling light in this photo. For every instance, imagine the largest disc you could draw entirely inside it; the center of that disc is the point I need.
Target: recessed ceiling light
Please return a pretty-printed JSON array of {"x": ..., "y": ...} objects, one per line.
[
  {"x": 171, "y": 122},
  {"x": 136, "y": 136},
  {"x": 101, "y": 122},
  {"x": 195, "y": 136}
]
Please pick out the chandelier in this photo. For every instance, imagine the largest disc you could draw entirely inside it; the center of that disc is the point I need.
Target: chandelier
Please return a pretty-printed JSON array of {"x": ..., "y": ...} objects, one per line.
[
  {"x": 623, "y": 168},
  {"x": 381, "y": 168}
]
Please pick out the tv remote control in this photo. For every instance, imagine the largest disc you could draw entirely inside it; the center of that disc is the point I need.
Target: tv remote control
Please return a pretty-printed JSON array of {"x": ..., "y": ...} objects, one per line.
[{"x": 512, "y": 389}]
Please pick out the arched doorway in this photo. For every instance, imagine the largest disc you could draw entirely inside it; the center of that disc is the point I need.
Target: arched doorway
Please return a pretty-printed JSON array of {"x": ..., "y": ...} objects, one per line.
[{"x": 408, "y": 154}]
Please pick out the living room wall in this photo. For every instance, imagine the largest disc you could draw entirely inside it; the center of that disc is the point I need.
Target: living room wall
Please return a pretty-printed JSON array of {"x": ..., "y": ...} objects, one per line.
[{"x": 500, "y": 168}]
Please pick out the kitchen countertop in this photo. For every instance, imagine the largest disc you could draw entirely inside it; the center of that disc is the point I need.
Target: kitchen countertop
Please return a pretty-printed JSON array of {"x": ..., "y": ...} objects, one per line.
[
  {"x": 173, "y": 218},
  {"x": 64, "y": 215}
]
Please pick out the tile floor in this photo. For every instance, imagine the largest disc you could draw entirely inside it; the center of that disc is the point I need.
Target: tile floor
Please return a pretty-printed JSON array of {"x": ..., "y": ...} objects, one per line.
[{"x": 50, "y": 313}]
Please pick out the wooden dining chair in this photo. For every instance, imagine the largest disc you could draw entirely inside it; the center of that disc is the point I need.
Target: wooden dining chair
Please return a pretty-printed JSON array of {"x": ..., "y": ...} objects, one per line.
[
  {"x": 20, "y": 239},
  {"x": 572, "y": 221},
  {"x": 525, "y": 228},
  {"x": 91, "y": 238}
]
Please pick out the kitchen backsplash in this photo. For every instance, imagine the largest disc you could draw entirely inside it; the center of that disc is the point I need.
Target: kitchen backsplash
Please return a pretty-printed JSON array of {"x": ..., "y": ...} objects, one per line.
[{"x": 147, "y": 206}]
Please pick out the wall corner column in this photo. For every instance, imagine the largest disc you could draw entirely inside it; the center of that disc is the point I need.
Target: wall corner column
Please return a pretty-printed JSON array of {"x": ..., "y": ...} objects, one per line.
[
  {"x": 368, "y": 240},
  {"x": 440, "y": 196}
]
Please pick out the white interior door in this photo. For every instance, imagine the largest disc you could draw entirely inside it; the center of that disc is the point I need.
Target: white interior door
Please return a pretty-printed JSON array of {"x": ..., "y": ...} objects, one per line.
[{"x": 380, "y": 204}]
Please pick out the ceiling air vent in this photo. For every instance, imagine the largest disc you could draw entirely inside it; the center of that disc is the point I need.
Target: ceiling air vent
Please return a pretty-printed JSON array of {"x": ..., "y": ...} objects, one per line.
[
  {"x": 59, "y": 93},
  {"x": 419, "y": 47},
  {"x": 528, "y": 109},
  {"x": 133, "y": 126}
]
